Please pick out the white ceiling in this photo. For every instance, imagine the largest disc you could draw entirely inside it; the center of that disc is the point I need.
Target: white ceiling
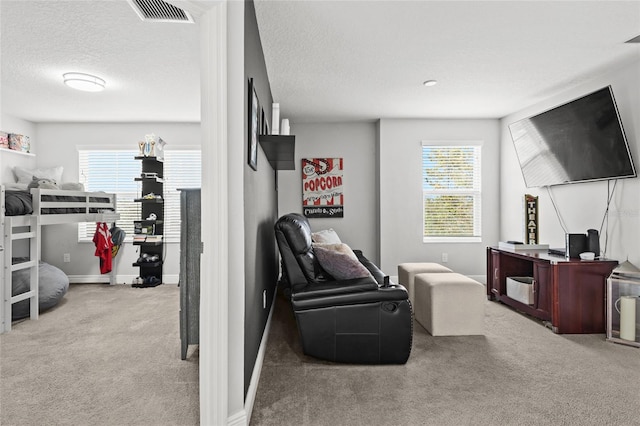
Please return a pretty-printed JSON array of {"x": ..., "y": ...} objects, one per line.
[
  {"x": 151, "y": 68},
  {"x": 327, "y": 60}
]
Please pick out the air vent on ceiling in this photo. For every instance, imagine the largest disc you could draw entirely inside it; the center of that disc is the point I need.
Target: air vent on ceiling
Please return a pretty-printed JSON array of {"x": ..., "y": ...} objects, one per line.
[
  {"x": 159, "y": 11},
  {"x": 636, "y": 39}
]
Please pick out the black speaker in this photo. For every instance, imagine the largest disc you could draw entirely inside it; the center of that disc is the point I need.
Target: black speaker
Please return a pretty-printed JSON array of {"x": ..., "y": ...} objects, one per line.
[
  {"x": 575, "y": 244},
  {"x": 593, "y": 241}
]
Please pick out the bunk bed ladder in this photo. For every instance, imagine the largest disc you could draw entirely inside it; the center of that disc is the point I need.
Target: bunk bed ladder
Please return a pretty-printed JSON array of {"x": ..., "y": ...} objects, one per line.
[{"x": 30, "y": 222}]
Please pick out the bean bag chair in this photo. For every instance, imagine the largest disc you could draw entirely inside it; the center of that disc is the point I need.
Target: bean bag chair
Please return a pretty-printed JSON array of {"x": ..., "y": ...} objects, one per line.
[{"x": 52, "y": 286}]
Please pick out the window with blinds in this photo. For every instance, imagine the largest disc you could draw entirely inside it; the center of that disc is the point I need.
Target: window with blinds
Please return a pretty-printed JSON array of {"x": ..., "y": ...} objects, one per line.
[
  {"x": 182, "y": 169},
  {"x": 451, "y": 192},
  {"x": 115, "y": 171}
]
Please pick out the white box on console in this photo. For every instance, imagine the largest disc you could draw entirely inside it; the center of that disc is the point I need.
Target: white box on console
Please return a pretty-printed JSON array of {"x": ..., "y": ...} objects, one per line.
[{"x": 520, "y": 289}]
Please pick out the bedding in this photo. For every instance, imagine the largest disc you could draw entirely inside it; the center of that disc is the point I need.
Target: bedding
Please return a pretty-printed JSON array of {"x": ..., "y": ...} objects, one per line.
[
  {"x": 52, "y": 286},
  {"x": 18, "y": 203}
]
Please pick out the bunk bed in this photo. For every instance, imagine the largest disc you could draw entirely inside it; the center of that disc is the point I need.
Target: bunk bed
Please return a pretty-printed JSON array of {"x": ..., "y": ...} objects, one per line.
[{"x": 49, "y": 207}]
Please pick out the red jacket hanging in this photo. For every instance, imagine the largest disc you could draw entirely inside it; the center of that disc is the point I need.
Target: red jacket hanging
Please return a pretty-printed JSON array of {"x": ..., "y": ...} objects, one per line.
[{"x": 102, "y": 240}]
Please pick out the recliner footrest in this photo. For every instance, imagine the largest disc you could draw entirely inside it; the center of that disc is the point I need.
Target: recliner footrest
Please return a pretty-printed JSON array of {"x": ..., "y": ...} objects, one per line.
[{"x": 370, "y": 333}]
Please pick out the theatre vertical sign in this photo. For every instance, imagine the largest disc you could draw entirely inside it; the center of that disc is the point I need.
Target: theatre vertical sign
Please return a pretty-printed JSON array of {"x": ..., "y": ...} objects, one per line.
[
  {"x": 531, "y": 219},
  {"x": 322, "y": 190}
]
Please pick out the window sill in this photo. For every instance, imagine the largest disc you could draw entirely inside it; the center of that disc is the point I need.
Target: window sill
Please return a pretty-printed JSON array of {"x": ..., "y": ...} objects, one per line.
[{"x": 430, "y": 240}]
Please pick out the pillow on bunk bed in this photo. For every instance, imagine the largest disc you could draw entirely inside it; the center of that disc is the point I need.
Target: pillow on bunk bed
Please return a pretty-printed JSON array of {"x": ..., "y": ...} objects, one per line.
[
  {"x": 52, "y": 286},
  {"x": 72, "y": 186},
  {"x": 26, "y": 176},
  {"x": 43, "y": 183}
]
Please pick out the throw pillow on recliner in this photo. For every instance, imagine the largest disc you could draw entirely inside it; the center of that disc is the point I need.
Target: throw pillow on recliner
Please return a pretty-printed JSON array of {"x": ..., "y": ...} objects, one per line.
[
  {"x": 340, "y": 262},
  {"x": 340, "y": 247},
  {"x": 326, "y": 236}
]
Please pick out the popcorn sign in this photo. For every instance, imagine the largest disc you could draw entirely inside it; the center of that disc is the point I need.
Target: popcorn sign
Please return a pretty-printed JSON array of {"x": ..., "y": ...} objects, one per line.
[{"x": 322, "y": 190}]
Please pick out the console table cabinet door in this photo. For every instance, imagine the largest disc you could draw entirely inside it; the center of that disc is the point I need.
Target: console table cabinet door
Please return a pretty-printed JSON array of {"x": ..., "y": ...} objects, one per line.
[
  {"x": 579, "y": 294},
  {"x": 494, "y": 279},
  {"x": 542, "y": 287}
]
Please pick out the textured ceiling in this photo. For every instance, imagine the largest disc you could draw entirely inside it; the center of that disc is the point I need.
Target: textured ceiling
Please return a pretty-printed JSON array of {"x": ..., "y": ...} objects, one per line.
[
  {"x": 327, "y": 60},
  {"x": 151, "y": 69},
  {"x": 367, "y": 59}
]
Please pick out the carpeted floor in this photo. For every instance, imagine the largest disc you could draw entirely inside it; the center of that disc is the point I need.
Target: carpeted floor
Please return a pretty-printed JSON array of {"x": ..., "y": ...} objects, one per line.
[
  {"x": 107, "y": 355},
  {"x": 518, "y": 373},
  {"x": 111, "y": 356}
]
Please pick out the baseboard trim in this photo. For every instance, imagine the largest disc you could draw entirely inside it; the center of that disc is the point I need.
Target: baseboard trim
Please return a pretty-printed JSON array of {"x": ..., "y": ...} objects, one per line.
[
  {"x": 120, "y": 279},
  {"x": 243, "y": 417},
  {"x": 238, "y": 419},
  {"x": 89, "y": 279}
]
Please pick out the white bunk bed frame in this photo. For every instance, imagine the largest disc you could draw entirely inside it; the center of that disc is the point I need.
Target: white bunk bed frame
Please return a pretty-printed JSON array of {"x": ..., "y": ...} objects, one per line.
[{"x": 28, "y": 227}]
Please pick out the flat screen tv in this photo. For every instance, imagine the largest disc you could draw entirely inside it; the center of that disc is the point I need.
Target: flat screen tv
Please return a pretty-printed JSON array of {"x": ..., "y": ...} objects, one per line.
[{"x": 582, "y": 140}]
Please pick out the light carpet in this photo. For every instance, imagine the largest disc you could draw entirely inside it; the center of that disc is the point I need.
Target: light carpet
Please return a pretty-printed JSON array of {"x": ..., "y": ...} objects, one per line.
[
  {"x": 106, "y": 355},
  {"x": 518, "y": 373}
]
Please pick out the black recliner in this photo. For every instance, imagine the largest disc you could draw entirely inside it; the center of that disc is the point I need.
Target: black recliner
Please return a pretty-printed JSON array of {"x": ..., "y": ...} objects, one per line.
[{"x": 360, "y": 321}]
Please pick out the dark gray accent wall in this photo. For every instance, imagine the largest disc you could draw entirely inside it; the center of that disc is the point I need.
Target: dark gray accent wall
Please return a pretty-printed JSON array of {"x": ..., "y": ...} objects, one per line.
[{"x": 260, "y": 207}]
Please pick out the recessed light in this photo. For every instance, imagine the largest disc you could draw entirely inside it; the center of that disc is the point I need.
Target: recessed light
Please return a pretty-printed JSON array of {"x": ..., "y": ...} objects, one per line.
[
  {"x": 85, "y": 82},
  {"x": 430, "y": 83}
]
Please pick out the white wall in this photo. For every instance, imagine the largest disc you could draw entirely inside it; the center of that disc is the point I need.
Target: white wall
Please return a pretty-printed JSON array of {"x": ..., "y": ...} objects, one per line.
[
  {"x": 58, "y": 145},
  {"x": 8, "y": 160},
  {"x": 11, "y": 124},
  {"x": 582, "y": 205},
  {"x": 383, "y": 192},
  {"x": 236, "y": 159},
  {"x": 400, "y": 168},
  {"x": 355, "y": 143}
]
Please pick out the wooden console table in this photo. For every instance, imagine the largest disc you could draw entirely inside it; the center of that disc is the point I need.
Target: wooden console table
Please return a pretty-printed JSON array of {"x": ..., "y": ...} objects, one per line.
[{"x": 570, "y": 293}]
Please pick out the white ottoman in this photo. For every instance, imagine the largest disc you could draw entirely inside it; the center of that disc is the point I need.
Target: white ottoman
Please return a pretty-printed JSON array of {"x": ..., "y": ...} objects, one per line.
[
  {"x": 408, "y": 271},
  {"x": 449, "y": 304}
]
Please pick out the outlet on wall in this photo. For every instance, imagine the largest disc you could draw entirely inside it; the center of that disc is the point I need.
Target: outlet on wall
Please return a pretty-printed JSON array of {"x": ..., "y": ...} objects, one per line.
[
  {"x": 445, "y": 257},
  {"x": 66, "y": 257}
]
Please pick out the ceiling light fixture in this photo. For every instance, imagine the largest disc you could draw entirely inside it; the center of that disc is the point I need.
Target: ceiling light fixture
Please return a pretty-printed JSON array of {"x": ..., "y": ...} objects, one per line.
[
  {"x": 85, "y": 82},
  {"x": 430, "y": 83}
]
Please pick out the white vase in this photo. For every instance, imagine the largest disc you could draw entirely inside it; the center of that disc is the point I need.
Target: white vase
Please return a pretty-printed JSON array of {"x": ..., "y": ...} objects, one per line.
[{"x": 275, "y": 119}]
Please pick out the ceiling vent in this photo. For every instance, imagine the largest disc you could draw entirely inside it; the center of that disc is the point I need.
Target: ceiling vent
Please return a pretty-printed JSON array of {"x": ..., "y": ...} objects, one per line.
[
  {"x": 636, "y": 39},
  {"x": 159, "y": 11}
]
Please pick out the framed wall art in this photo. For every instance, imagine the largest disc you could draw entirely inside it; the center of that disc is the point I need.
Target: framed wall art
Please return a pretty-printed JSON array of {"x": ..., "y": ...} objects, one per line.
[
  {"x": 254, "y": 126},
  {"x": 322, "y": 187}
]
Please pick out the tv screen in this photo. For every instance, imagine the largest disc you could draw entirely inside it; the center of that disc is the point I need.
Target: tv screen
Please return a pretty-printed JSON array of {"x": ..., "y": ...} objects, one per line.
[{"x": 582, "y": 140}]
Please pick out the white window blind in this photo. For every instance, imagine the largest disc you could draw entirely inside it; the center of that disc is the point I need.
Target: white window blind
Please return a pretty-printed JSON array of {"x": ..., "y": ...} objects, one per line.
[
  {"x": 181, "y": 170},
  {"x": 115, "y": 171},
  {"x": 111, "y": 171},
  {"x": 451, "y": 192}
]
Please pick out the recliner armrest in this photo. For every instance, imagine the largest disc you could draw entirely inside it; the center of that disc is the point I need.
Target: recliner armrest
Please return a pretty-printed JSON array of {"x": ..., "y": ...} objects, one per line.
[
  {"x": 331, "y": 288},
  {"x": 393, "y": 293},
  {"x": 378, "y": 275}
]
